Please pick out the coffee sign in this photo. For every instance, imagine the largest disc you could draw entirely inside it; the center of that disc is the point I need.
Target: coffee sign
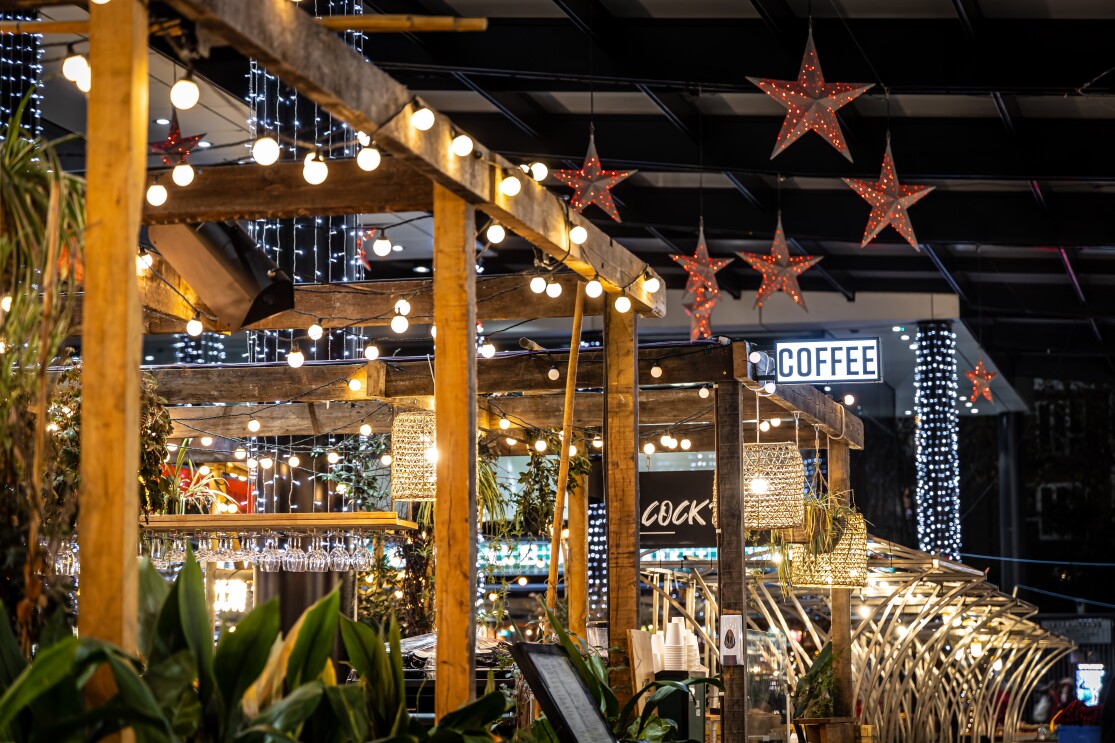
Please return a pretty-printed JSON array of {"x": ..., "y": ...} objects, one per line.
[
  {"x": 826, "y": 361},
  {"x": 675, "y": 509}
]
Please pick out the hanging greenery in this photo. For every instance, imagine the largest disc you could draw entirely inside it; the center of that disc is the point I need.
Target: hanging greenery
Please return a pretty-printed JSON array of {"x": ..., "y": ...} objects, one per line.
[
  {"x": 534, "y": 501},
  {"x": 360, "y": 471}
]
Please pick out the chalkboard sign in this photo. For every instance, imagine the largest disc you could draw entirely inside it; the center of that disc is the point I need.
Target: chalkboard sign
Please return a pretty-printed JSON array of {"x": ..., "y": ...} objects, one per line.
[
  {"x": 675, "y": 509},
  {"x": 563, "y": 696}
]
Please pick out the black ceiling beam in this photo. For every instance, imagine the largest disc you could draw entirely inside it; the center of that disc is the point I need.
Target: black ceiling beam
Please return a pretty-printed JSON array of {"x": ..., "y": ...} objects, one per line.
[
  {"x": 946, "y": 274},
  {"x": 779, "y": 18},
  {"x": 970, "y": 15}
]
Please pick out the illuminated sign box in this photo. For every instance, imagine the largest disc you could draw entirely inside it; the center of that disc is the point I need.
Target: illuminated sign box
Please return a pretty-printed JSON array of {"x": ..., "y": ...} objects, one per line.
[{"x": 827, "y": 361}]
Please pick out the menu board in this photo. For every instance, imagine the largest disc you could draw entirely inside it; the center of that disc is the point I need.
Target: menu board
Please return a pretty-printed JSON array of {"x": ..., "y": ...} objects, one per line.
[{"x": 563, "y": 696}]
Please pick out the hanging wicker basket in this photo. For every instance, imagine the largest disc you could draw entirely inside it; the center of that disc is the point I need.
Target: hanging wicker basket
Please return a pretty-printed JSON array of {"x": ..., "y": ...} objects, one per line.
[
  {"x": 773, "y": 486},
  {"x": 844, "y": 567},
  {"x": 414, "y": 457}
]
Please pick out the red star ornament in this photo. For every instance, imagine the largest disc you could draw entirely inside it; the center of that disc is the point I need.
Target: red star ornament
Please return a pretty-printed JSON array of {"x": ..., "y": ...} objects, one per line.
[
  {"x": 811, "y": 103},
  {"x": 780, "y": 270},
  {"x": 700, "y": 314},
  {"x": 701, "y": 268},
  {"x": 592, "y": 184},
  {"x": 889, "y": 201},
  {"x": 175, "y": 148},
  {"x": 981, "y": 382}
]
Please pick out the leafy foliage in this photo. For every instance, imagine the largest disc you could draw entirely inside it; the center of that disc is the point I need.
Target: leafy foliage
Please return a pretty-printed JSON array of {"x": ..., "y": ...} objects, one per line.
[
  {"x": 813, "y": 695},
  {"x": 360, "y": 471},
  {"x": 534, "y": 503}
]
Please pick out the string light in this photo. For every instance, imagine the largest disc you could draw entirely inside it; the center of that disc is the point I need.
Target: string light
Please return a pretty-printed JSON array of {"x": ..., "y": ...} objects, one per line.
[
  {"x": 538, "y": 285},
  {"x": 597, "y": 442},
  {"x": 85, "y": 82},
  {"x": 510, "y": 441},
  {"x": 354, "y": 385},
  {"x": 656, "y": 370},
  {"x": 704, "y": 393},
  {"x": 315, "y": 331},
  {"x": 75, "y": 67},
  {"x": 399, "y": 324},
  {"x": 510, "y": 186},
  {"x": 553, "y": 290},
  {"x": 194, "y": 326},
  {"x": 368, "y": 159},
  {"x": 314, "y": 169},
  {"x": 776, "y": 422},
  {"x": 203, "y": 469},
  {"x": 206, "y": 440},
  {"x": 578, "y": 235},
  {"x": 182, "y": 174},
  {"x": 686, "y": 444},
  {"x": 266, "y": 462},
  {"x": 265, "y": 150},
  {"x": 253, "y": 425},
  {"x": 462, "y": 145},
  {"x": 295, "y": 358},
  {"x": 652, "y": 284},
  {"x": 554, "y": 374},
  {"x": 936, "y": 462},
  {"x": 365, "y": 430},
  {"x": 764, "y": 426},
  {"x": 422, "y": 119},
  {"x": 769, "y": 388},
  {"x": 241, "y": 453},
  {"x": 6, "y": 303},
  {"x": 648, "y": 448},
  {"x": 487, "y": 350},
  {"x": 623, "y": 304},
  {"x": 185, "y": 94},
  {"x": 332, "y": 457},
  {"x": 540, "y": 445},
  {"x": 371, "y": 352},
  {"x": 402, "y": 307},
  {"x": 293, "y": 460},
  {"x": 495, "y": 234},
  {"x": 572, "y": 450},
  {"x": 386, "y": 459},
  {"x": 504, "y": 424},
  {"x": 144, "y": 261},
  {"x": 594, "y": 289},
  {"x": 381, "y": 246},
  {"x": 849, "y": 399}
]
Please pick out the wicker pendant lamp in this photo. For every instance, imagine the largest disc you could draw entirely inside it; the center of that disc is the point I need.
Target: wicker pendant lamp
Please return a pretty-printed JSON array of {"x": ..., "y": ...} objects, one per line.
[
  {"x": 844, "y": 567},
  {"x": 773, "y": 482},
  {"x": 414, "y": 457}
]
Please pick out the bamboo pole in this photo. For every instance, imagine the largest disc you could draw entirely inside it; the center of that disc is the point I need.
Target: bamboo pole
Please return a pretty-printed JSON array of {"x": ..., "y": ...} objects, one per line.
[
  {"x": 566, "y": 440},
  {"x": 576, "y": 561}
]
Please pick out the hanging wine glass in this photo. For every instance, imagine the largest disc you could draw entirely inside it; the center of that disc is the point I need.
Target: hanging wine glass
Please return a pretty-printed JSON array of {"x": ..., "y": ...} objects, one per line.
[
  {"x": 271, "y": 558},
  {"x": 294, "y": 560},
  {"x": 361, "y": 557},
  {"x": 243, "y": 552},
  {"x": 177, "y": 552},
  {"x": 204, "y": 549},
  {"x": 158, "y": 554},
  {"x": 339, "y": 558},
  {"x": 317, "y": 560}
]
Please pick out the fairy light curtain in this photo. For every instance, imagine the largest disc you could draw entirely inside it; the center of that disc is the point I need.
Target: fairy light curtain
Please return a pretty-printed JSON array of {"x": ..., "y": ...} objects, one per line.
[
  {"x": 21, "y": 71},
  {"x": 937, "y": 463}
]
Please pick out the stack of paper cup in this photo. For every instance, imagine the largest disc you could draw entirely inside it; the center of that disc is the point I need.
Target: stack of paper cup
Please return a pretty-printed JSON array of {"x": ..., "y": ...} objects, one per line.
[
  {"x": 693, "y": 652},
  {"x": 674, "y": 655},
  {"x": 658, "y": 650}
]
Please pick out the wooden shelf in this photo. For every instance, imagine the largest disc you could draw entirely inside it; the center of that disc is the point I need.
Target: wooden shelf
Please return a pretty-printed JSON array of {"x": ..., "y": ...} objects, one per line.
[{"x": 248, "y": 522}]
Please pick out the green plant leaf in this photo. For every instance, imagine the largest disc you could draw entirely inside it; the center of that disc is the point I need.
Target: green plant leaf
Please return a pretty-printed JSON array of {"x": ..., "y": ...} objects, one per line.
[
  {"x": 288, "y": 714},
  {"x": 52, "y": 666},
  {"x": 12, "y": 661},
  {"x": 600, "y": 691},
  {"x": 314, "y": 641},
  {"x": 242, "y": 655},
  {"x": 347, "y": 705},
  {"x": 171, "y": 681},
  {"x": 381, "y": 672},
  {"x": 194, "y": 619},
  {"x": 153, "y": 591},
  {"x": 473, "y": 717},
  {"x": 135, "y": 696}
]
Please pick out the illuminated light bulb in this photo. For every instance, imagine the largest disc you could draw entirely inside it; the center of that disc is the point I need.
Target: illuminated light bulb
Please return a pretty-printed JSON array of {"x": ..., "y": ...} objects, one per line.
[
  {"x": 265, "y": 150},
  {"x": 422, "y": 119},
  {"x": 648, "y": 448},
  {"x": 510, "y": 186},
  {"x": 539, "y": 171},
  {"x": 293, "y": 460},
  {"x": 553, "y": 374},
  {"x": 769, "y": 388},
  {"x": 522, "y": 580},
  {"x": 266, "y": 462},
  {"x": 368, "y": 159},
  {"x": 399, "y": 323},
  {"x": 206, "y": 440},
  {"x": 341, "y": 488},
  {"x": 85, "y": 82},
  {"x": 759, "y": 485},
  {"x": 185, "y": 94},
  {"x": 240, "y": 453},
  {"x": 385, "y": 460},
  {"x": 462, "y": 145},
  {"x": 221, "y": 508},
  {"x": 354, "y": 385},
  {"x": 504, "y": 424},
  {"x": 572, "y": 450},
  {"x": 755, "y": 357},
  {"x": 578, "y": 235},
  {"x": 295, "y": 358},
  {"x": 156, "y": 194},
  {"x": 253, "y": 425},
  {"x": 75, "y": 67},
  {"x": 183, "y": 174},
  {"x": 332, "y": 457},
  {"x": 776, "y": 422},
  {"x": 371, "y": 352},
  {"x": 665, "y": 440},
  {"x": 849, "y": 399},
  {"x": 314, "y": 169},
  {"x": 597, "y": 442},
  {"x": 252, "y": 462},
  {"x": 540, "y": 445},
  {"x": 594, "y": 289},
  {"x": 433, "y": 331},
  {"x": 704, "y": 392},
  {"x": 656, "y": 371},
  {"x": 144, "y": 261},
  {"x": 997, "y": 665},
  {"x": 553, "y": 290},
  {"x": 365, "y": 430},
  {"x": 381, "y": 247},
  {"x": 430, "y": 454},
  {"x": 495, "y": 234},
  {"x": 538, "y": 285},
  {"x": 764, "y": 426},
  {"x": 510, "y": 441},
  {"x": 363, "y": 139},
  {"x": 6, "y": 303},
  {"x": 315, "y": 331},
  {"x": 652, "y": 284},
  {"x": 194, "y": 327},
  {"x": 864, "y": 611},
  {"x": 487, "y": 350},
  {"x": 686, "y": 444},
  {"x": 623, "y": 304},
  {"x": 203, "y": 469},
  {"x": 398, "y": 593},
  {"x": 172, "y": 447},
  {"x": 402, "y": 307}
]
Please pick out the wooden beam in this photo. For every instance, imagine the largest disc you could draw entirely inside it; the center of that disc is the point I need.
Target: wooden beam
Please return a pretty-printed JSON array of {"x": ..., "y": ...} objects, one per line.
[
  {"x": 621, "y": 490},
  {"x": 373, "y": 23},
  {"x": 44, "y": 27},
  {"x": 840, "y": 633},
  {"x": 115, "y": 160},
  {"x": 295, "y": 419},
  {"x": 313, "y": 382},
  {"x": 224, "y": 192},
  {"x": 730, "y": 540},
  {"x": 294, "y": 46},
  {"x": 455, "y": 402}
]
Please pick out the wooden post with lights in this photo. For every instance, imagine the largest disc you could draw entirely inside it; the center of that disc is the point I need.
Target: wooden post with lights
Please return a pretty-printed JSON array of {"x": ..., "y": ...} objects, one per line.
[
  {"x": 840, "y": 633},
  {"x": 730, "y": 551},
  {"x": 116, "y": 158},
  {"x": 621, "y": 486},
  {"x": 455, "y": 404}
]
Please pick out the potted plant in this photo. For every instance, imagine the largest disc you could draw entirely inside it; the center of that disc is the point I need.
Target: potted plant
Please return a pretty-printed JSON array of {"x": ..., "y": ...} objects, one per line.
[{"x": 814, "y": 707}]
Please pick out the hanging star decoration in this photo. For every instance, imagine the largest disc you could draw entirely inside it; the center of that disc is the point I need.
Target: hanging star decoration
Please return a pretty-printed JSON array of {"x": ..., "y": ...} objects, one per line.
[
  {"x": 175, "y": 148},
  {"x": 981, "y": 382},
  {"x": 811, "y": 103},
  {"x": 364, "y": 237},
  {"x": 889, "y": 201},
  {"x": 592, "y": 184},
  {"x": 780, "y": 270},
  {"x": 702, "y": 285}
]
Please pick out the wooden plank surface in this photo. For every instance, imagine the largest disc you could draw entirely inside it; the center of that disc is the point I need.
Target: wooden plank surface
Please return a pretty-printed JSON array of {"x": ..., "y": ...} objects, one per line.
[
  {"x": 116, "y": 155},
  {"x": 249, "y": 522},
  {"x": 455, "y": 403},
  {"x": 621, "y": 489},
  {"x": 840, "y": 632},
  {"x": 294, "y": 419},
  {"x": 307, "y": 56}
]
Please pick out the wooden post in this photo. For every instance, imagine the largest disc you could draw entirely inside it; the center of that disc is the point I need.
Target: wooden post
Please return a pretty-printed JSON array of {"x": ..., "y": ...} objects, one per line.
[
  {"x": 621, "y": 486},
  {"x": 730, "y": 557},
  {"x": 840, "y": 631},
  {"x": 576, "y": 562},
  {"x": 563, "y": 456},
  {"x": 116, "y": 157},
  {"x": 455, "y": 404}
]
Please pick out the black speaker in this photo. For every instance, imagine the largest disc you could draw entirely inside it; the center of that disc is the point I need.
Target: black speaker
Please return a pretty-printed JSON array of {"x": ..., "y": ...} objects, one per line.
[{"x": 231, "y": 274}]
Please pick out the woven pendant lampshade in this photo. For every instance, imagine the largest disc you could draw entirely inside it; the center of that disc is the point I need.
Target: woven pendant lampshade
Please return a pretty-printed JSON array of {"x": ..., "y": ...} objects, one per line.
[
  {"x": 844, "y": 567},
  {"x": 773, "y": 486},
  {"x": 414, "y": 457}
]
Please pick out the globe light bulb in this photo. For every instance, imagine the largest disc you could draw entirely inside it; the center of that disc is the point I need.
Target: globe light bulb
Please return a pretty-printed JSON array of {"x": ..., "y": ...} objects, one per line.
[
  {"x": 652, "y": 284},
  {"x": 315, "y": 170},
  {"x": 252, "y": 463},
  {"x": 194, "y": 327},
  {"x": 365, "y": 430},
  {"x": 422, "y": 119},
  {"x": 183, "y": 174},
  {"x": 539, "y": 171},
  {"x": 623, "y": 304},
  {"x": 253, "y": 425},
  {"x": 402, "y": 307},
  {"x": 332, "y": 457},
  {"x": 510, "y": 441},
  {"x": 538, "y": 285},
  {"x": 293, "y": 460},
  {"x": 433, "y": 331},
  {"x": 206, "y": 440},
  {"x": 849, "y": 399},
  {"x": 764, "y": 426},
  {"x": 665, "y": 439},
  {"x": 265, "y": 150},
  {"x": 156, "y": 194},
  {"x": 203, "y": 469},
  {"x": 295, "y": 358},
  {"x": 341, "y": 488},
  {"x": 769, "y": 388},
  {"x": 368, "y": 159},
  {"x": 75, "y": 67},
  {"x": 399, "y": 323},
  {"x": 776, "y": 422},
  {"x": 597, "y": 442},
  {"x": 578, "y": 235},
  {"x": 241, "y": 453},
  {"x": 553, "y": 374},
  {"x": 462, "y": 145},
  {"x": 656, "y": 371},
  {"x": 386, "y": 460},
  {"x": 487, "y": 350},
  {"x": 431, "y": 454},
  {"x": 553, "y": 290},
  {"x": 864, "y": 611},
  {"x": 540, "y": 445},
  {"x": 685, "y": 444},
  {"x": 85, "y": 82},
  {"x": 648, "y": 448},
  {"x": 354, "y": 385},
  {"x": 504, "y": 424},
  {"x": 184, "y": 94},
  {"x": 266, "y": 463},
  {"x": 6, "y": 303},
  {"x": 144, "y": 261},
  {"x": 704, "y": 392},
  {"x": 495, "y": 234},
  {"x": 363, "y": 139},
  {"x": 510, "y": 186},
  {"x": 381, "y": 247},
  {"x": 572, "y": 450},
  {"x": 522, "y": 580},
  {"x": 371, "y": 352},
  {"x": 315, "y": 331},
  {"x": 594, "y": 289}
]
